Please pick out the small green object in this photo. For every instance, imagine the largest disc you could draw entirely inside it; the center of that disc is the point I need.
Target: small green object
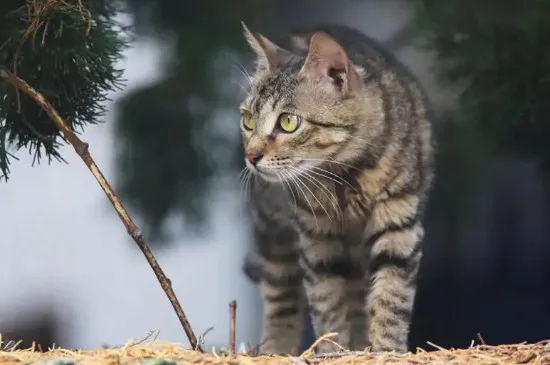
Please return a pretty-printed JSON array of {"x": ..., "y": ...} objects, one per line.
[
  {"x": 59, "y": 361},
  {"x": 159, "y": 361}
]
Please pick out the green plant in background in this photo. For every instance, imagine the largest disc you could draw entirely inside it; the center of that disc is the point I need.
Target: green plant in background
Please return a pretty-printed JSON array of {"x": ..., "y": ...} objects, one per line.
[
  {"x": 67, "y": 50},
  {"x": 496, "y": 55},
  {"x": 168, "y": 145},
  {"x": 497, "y": 52}
]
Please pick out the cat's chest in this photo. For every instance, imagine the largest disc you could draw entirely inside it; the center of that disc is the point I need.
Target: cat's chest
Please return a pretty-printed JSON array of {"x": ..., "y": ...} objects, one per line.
[
  {"x": 332, "y": 208},
  {"x": 349, "y": 201},
  {"x": 355, "y": 204}
]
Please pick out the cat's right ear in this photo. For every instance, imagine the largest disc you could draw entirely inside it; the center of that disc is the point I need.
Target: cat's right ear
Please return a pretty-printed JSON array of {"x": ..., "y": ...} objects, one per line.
[
  {"x": 328, "y": 65},
  {"x": 269, "y": 56}
]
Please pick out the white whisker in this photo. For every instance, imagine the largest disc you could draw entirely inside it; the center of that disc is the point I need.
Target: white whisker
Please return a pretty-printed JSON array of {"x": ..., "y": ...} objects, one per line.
[
  {"x": 242, "y": 177},
  {"x": 247, "y": 185},
  {"x": 243, "y": 172},
  {"x": 296, "y": 179},
  {"x": 325, "y": 160},
  {"x": 364, "y": 142},
  {"x": 322, "y": 175},
  {"x": 331, "y": 198},
  {"x": 241, "y": 69},
  {"x": 342, "y": 180},
  {"x": 299, "y": 173},
  {"x": 241, "y": 86},
  {"x": 286, "y": 173}
]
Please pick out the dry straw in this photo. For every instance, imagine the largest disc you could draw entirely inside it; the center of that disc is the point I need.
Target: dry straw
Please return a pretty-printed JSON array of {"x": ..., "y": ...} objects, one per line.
[
  {"x": 136, "y": 353},
  {"x": 538, "y": 353}
]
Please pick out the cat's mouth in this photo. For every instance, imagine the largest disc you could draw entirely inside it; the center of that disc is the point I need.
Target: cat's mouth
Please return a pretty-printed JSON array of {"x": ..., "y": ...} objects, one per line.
[
  {"x": 278, "y": 172},
  {"x": 269, "y": 174},
  {"x": 266, "y": 173}
]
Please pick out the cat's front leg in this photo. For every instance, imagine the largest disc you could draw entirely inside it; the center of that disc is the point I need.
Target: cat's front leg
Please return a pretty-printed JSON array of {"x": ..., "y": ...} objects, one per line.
[
  {"x": 329, "y": 274},
  {"x": 395, "y": 235},
  {"x": 281, "y": 290},
  {"x": 283, "y": 307}
]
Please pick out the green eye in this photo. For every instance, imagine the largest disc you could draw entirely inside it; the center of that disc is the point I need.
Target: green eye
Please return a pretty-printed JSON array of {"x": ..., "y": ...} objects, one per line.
[
  {"x": 246, "y": 120},
  {"x": 289, "y": 122}
]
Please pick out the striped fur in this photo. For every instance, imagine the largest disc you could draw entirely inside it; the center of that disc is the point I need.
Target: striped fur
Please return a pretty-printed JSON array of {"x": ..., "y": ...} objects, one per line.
[{"x": 337, "y": 205}]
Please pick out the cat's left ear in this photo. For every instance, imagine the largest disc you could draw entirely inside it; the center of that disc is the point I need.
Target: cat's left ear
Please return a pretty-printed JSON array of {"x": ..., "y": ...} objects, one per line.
[
  {"x": 327, "y": 63},
  {"x": 270, "y": 56}
]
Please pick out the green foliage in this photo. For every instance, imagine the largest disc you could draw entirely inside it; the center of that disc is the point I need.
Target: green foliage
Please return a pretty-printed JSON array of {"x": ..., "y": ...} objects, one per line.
[
  {"x": 497, "y": 51},
  {"x": 65, "y": 49},
  {"x": 461, "y": 166},
  {"x": 496, "y": 54},
  {"x": 168, "y": 146}
]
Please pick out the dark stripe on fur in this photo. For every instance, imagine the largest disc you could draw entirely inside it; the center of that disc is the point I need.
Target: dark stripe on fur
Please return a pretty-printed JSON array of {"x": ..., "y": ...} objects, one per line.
[
  {"x": 314, "y": 234},
  {"x": 259, "y": 99},
  {"x": 306, "y": 206},
  {"x": 335, "y": 266},
  {"x": 368, "y": 160},
  {"x": 280, "y": 280},
  {"x": 330, "y": 125},
  {"x": 393, "y": 227},
  {"x": 263, "y": 216},
  {"x": 290, "y": 294},
  {"x": 284, "y": 312},
  {"x": 384, "y": 259}
]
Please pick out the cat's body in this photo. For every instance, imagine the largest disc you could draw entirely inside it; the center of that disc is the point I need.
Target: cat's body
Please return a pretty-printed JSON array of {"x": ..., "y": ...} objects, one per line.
[{"x": 338, "y": 139}]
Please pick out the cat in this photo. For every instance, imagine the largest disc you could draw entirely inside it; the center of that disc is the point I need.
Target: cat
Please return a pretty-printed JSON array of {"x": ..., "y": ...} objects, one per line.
[{"x": 339, "y": 158}]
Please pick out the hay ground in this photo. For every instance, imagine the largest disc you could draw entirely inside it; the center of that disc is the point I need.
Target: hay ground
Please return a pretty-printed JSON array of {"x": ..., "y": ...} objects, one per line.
[{"x": 153, "y": 353}]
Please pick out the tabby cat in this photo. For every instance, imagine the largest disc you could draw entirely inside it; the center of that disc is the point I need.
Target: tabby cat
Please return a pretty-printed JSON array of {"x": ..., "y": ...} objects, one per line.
[{"x": 338, "y": 142}]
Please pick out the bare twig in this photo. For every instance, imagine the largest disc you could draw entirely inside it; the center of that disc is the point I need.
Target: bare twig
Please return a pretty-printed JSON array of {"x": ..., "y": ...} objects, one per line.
[
  {"x": 232, "y": 323},
  {"x": 203, "y": 336},
  {"x": 436, "y": 346},
  {"x": 333, "y": 355},
  {"x": 147, "y": 337},
  {"x": 481, "y": 340},
  {"x": 311, "y": 350},
  {"x": 10, "y": 345},
  {"x": 81, "y": 149}
]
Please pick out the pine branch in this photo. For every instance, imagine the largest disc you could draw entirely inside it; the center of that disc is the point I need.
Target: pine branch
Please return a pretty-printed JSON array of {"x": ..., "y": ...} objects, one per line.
[
  {"x": 81, "y": 149},
  {"x": 68, "y": 51}
]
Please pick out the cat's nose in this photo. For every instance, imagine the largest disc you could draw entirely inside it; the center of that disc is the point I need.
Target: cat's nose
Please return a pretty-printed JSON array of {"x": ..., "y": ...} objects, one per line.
[{"x": 254, "y": 157}]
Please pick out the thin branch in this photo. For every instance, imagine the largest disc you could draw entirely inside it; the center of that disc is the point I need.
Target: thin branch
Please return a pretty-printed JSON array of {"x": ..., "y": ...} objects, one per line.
[
  {"x": 147, "y": 337},
  {"x": 232, "y": 326},
  {"x": 481, "y": 339},
  {"x": 203, "y": 336},
  {"x": 334, "y": 355},
  {"x": 81, "y": 149}
]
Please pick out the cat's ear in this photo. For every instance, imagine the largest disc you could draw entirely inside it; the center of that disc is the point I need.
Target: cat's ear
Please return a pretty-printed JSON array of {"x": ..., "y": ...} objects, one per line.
[
  {"x": 270, "y": 56},
  {"x": 328, "y": 64}
]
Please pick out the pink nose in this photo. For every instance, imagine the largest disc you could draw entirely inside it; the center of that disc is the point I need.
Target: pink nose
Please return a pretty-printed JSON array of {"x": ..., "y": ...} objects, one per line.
[{"x": 254, "y": 157}]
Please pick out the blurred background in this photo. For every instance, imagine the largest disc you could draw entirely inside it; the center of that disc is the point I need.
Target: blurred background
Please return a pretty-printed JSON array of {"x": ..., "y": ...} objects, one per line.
[{"x": 70, "y": 275}]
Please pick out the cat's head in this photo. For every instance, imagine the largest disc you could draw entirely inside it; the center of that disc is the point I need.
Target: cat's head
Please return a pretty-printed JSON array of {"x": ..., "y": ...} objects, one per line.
[{"x": 301, "y": 111}]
